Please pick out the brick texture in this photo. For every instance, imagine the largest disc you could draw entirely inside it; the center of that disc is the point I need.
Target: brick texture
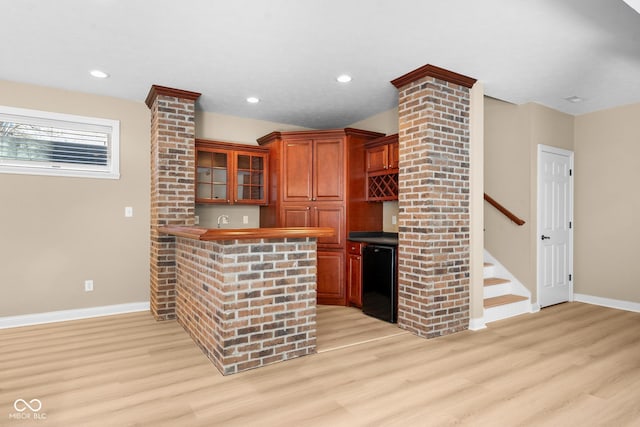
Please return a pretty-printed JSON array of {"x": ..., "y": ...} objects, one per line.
[
  {"x": 172, "y": 192},
  {"x": 248, "y": 303},
  {"x": 433, "y": 202}
]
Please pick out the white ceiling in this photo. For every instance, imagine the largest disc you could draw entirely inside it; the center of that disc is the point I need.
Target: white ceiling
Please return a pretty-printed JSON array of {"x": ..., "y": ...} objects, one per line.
[{"x": 288, "y": 52}]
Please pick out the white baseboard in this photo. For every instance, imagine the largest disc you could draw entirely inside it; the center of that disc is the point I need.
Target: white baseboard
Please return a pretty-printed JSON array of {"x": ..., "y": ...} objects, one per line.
[
  {"x": 64, "y": 315},
  {"x": 608, "y": 302},
  {"x": 477, "y": 324}
]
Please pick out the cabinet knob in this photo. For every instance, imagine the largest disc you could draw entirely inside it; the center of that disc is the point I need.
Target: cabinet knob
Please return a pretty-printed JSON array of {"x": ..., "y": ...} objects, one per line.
[{"x": 308, "y": 207}]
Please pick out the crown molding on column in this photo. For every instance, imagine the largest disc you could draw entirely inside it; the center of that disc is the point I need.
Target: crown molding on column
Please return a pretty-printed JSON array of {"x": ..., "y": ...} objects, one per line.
[
  {"x": 433, "y": 71},
  {"x": 168, "y": 91}
]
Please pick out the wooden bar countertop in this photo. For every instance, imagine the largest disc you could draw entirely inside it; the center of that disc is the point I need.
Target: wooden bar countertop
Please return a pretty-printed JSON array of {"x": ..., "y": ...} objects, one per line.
[{"x": 199, "y": 233}]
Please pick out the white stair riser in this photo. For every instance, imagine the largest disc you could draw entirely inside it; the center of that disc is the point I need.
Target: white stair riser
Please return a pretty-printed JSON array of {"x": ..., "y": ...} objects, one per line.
[
  {"x": 497, "y": 290},
  {"x": 498, "y": 270},
  {"x": 489, "y": 271},
  {"x": 513, "y": 287},
  {"x": 505, "y": 311}
]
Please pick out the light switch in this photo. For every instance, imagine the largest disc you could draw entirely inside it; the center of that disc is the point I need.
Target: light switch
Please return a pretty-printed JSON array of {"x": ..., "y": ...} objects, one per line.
[
  {"x": 394, "y": 219},
  {"x": 128, "y": 212},
  {"x": 245, "y": 219}
]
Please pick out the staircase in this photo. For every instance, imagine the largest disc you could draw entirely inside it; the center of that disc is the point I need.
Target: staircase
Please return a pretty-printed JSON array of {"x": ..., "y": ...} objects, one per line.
[{"x": 504, "y": 295}]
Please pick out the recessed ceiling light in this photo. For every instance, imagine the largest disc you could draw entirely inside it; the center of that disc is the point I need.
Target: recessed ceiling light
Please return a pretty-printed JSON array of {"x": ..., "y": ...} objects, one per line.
[
  {"x": 344, "y": 78},
  {"x": 98, "y": 74},
  {"x": 253, "y": 100},
  {"x": 574, "y": 99}
]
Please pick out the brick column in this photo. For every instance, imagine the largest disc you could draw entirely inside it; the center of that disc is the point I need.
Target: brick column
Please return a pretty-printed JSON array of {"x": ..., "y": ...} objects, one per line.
[
  {"x": 172, "y": 187},
  {"x": 248, "y": 303},
  {"x": 433, "y": 201}
]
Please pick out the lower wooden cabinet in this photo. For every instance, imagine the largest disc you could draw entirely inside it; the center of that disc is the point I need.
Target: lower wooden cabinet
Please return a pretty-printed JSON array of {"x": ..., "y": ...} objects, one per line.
[
  {"x": 354, "y": 273},
  {"x": 317, "y": 215},
  {"x": 330, "y": 277}
]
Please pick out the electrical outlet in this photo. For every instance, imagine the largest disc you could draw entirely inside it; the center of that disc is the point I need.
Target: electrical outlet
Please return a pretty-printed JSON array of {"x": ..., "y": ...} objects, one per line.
[
  {"x": 88, "y": 285},
  {"x": 394, "y": 219},
  {"x": 196, "y": 220},
  {"x": 245, "y": 219},
  {"x": 128, "y": 212}
]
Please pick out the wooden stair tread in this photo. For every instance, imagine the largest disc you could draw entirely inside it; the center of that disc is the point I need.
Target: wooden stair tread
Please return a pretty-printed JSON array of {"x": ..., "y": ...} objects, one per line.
[
  {"x": 490, "y": 281},
  {"x": 502, "y": 300}
]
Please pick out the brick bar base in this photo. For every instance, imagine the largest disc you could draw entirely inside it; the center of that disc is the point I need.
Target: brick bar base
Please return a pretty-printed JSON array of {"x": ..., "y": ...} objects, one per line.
[
  {"x": 248, "y": 303},
  {"x": 433, "y": 219}
]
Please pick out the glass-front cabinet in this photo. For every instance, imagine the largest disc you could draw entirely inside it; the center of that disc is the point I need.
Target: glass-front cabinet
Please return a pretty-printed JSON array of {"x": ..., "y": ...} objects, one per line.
[
  {"x": 230, "y": 173},
  {"x": 212, "y": 176},
  {"x": 250, "y": 175}
]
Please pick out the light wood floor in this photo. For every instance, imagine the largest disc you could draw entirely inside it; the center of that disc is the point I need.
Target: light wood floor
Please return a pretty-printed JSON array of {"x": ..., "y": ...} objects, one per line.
[
  {"x": 341, "y": 327},
  {"x": 569, "y": 365}
]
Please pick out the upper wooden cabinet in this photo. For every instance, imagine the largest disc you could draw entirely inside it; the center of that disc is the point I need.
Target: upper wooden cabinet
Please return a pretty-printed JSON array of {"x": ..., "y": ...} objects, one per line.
[
  {"x": 394, "y": 153},
  {"x": 382, "y": 168},
  {"x": 377, "y": 158},
  {"x": 314, "y": 170},
  {"x": 382, "y": 154},
  {"x": 231, "y": 173}
]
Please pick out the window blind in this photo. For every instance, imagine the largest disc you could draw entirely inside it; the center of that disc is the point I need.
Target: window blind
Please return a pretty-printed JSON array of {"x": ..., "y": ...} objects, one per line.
[{"x": 34, "y": 142}]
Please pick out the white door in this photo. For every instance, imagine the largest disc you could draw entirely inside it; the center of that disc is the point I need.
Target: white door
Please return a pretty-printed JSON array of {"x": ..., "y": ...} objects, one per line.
[{"x": 555, "y": 225}]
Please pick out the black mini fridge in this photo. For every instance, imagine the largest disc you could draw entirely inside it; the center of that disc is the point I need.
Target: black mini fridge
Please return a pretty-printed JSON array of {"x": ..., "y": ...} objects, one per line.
[{"x": 379, "y": 282}]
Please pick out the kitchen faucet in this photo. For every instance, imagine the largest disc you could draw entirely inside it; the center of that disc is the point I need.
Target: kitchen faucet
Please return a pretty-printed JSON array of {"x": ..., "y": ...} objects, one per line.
[{"x": 224, "y": 218}]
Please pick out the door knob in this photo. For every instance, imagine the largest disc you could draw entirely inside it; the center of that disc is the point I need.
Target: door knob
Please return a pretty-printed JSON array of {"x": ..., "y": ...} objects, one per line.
[{"x": 545, "y": 237}]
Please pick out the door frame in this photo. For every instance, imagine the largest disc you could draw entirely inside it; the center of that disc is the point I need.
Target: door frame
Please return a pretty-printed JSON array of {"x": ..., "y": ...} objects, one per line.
[{"x": 562, "y": 152}]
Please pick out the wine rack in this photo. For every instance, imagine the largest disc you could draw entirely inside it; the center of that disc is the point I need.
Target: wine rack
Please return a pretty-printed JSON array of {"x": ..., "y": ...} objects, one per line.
[{"x": 383, "y": 187}]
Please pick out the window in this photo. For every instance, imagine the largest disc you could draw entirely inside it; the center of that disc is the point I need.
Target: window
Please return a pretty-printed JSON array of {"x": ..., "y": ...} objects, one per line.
[{"x": 44, "y": 143}]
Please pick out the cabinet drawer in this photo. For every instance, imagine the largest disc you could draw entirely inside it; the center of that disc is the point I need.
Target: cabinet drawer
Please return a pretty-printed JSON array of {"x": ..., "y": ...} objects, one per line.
[{"x": 355, "y": 248}]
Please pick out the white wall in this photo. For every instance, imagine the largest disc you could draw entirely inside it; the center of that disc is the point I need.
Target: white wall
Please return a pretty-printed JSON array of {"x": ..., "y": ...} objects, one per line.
[
  {"x": 57, "y": 232},
  {"x": 512, "y": 134},
  {"x": 607, "y": 204}
]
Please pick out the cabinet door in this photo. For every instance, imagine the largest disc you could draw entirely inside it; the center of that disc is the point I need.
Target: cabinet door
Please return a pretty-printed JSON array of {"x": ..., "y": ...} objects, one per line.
[
  {"x": 212, "y": 176},
  {"x": 296, "y": 216},
  {"x": 330, "y": 277},
  {"x": 250, "y": 178},
  {"x": 377, "y": 158},
  {"x": 297, "y": 171},
  {"x": 354, "y": 280},
  {"x": 328, "y": 169},
  {"x": 330, "y": 215},
  {"x": 394, "y": 156}
]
